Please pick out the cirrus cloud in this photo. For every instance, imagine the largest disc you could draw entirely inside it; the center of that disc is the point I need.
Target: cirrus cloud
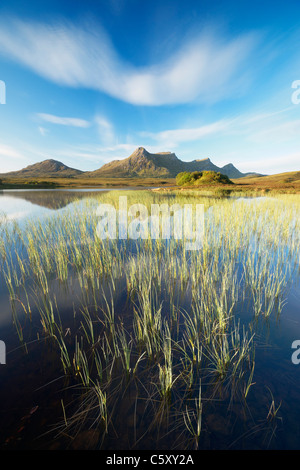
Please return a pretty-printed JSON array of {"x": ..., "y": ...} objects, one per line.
[
  {"x": 206, "y": 68},
  {"x": 64, "y": 121},
  {"x": 173, "y": 137}
]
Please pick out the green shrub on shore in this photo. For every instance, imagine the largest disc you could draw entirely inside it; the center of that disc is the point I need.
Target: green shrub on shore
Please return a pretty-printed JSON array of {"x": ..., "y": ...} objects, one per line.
[{"x": 196, "y": 178}]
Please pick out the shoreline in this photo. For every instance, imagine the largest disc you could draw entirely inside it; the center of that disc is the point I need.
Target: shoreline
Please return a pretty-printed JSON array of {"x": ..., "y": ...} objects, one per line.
[{"x": 268, "y": 184}]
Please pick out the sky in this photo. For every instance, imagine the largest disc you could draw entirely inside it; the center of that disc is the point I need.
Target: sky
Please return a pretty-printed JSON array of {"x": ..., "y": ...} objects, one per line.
[{"x": 89, "y": 82}]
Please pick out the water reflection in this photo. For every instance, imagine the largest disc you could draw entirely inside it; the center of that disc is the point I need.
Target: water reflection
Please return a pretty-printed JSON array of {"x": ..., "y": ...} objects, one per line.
[
  {"x": 18, "y": 204},
  {"x": 22, "y": 204}
]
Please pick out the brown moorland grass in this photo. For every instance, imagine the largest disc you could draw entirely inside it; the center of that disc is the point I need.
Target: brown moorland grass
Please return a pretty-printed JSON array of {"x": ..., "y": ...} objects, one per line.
[
  {"x": 14, "y": 183},
  {"x": 282, "y": 182}
]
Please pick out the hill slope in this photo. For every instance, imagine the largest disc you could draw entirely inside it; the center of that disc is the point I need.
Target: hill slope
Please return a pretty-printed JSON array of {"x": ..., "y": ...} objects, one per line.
[
  {"x": 279, "y": 179},
  {"x": 44, "y": 169}
]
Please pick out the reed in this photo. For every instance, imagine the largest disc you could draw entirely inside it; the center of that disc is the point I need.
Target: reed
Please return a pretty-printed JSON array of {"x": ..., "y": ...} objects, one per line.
[{"x": 193, "y": 419}]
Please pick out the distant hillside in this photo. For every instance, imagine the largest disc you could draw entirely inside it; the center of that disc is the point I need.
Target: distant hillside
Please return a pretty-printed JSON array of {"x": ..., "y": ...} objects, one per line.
[
  {"x": 142, "y": 163},
  {"x": 47, "y": 168},
  {"x": 289, "y": 178}
]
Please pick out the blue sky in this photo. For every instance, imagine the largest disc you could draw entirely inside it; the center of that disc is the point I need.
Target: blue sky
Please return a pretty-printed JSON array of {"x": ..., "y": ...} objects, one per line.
[{"x": 88, "y": 82}]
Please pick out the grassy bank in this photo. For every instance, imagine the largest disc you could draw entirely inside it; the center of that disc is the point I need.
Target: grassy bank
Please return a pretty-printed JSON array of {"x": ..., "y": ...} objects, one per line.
[{"x": 286, "y": 183}]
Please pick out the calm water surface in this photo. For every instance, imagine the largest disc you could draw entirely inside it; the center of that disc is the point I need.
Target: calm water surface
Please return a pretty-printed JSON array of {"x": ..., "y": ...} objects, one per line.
[{"x": 30, "y": 409}]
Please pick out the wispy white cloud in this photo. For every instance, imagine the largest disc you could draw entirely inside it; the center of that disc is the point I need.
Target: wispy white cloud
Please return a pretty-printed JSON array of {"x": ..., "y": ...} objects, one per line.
[
  {"x": 10, "y": 158},
  {"x": 280, "y": 132},
  {"x": 271, "y": 163},
  {"x": 64, "y": 121},
  {"x": 260, "y": 127},
  {"x": 8, "y": 151},
  {"x": 105, "y": 130},
  {"x": 43, "y": 131},
  {"x": 207, "y": 68},
  {"x": 263, "y": 116},
  {"x": 274, "y": 124},
  {"x": 173, "y": 137}
]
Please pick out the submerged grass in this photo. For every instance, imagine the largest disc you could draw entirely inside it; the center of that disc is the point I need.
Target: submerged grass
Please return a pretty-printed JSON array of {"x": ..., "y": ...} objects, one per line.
[{"x": 150, "y": 320}]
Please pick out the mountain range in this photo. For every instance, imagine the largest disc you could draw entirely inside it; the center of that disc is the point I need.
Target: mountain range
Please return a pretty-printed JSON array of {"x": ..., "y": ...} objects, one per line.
[{"x": 140, "y": 163}]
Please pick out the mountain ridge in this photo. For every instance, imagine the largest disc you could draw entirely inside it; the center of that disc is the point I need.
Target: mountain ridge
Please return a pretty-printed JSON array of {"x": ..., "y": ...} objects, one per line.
[
  {"x": 140, "y": 163},
  {"x": 163, "y": 164}
]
